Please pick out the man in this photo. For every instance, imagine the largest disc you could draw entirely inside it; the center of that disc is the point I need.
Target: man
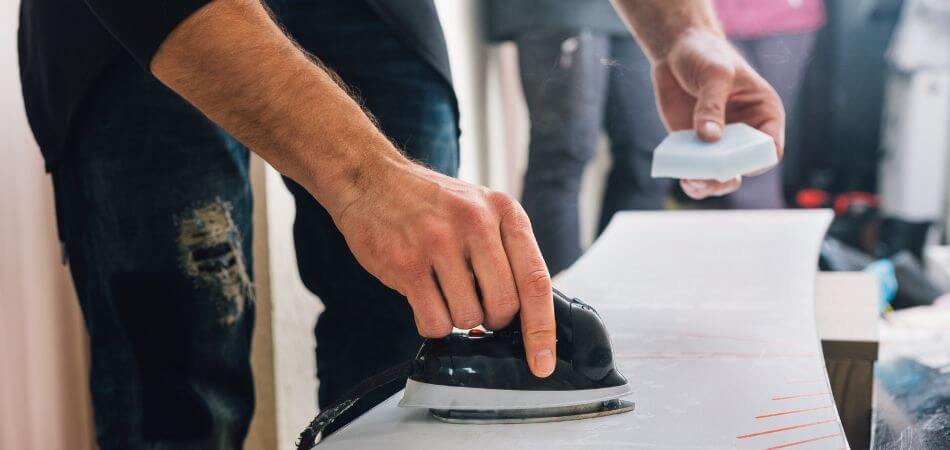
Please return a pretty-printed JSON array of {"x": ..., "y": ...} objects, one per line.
[{"x": 154, "y": 208}]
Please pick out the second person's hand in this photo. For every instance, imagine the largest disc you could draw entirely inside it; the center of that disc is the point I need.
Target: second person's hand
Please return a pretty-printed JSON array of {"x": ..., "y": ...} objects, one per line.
[{"x": 703, "y": 83}]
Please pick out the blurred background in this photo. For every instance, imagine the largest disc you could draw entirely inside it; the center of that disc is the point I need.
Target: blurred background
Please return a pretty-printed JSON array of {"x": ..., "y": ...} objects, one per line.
[{"x": 867, "y": 88}]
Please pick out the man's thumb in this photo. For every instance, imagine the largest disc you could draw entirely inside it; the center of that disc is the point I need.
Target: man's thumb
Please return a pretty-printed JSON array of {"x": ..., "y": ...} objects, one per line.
[{"x": 709, "y": 117}]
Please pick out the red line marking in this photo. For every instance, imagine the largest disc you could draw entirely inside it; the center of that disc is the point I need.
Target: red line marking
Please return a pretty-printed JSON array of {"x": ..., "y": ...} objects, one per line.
[
  {"x": 779, "y": 430},
  {"x": 784, "y": 413},
  {"x": 801, "y": 396},
  {"x": 792, "y": 444},
  {"x": 728, "y": 338},
  {"x": 680, "y": 355}
]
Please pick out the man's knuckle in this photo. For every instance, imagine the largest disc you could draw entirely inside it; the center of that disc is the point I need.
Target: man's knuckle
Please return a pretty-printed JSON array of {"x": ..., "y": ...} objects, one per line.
[
  {"x": 540, "y": 333},
  {"x": 400, "y": 255},
  {"x": 436, "y": 236},
  {"x": 469, "y": 318},
  {"x": 440, "y": 329},
  {"x": 407, "y": 262},
  {"x": 431, "y": 324},
  {"x": 499, "y": 199},
  {"x": 502, "y": 202},
  {"x": 414, "y": 270},
  {"x": 538, "y": 285},
  {"x": 426, "y": 331},
  {"x": 507, "y": 303},
  {"x": 475, "y": 216},
  {"x": 720, "y": 69},
  {"x": 516, "y": 220}
]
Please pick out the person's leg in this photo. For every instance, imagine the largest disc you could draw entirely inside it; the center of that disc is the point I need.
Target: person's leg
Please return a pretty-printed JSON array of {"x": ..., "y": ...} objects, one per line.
[
  {"x": 781, "y": 60},
  {"x": 365, "y": 326},
  {"x": 154, "y": 210},
  {"x": 564, "y": 76},
  {"x": 635, "y": 128}
]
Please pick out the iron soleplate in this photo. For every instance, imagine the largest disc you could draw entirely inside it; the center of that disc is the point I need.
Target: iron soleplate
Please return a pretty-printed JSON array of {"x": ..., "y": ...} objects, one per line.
[{"x": 533, "y": 415}]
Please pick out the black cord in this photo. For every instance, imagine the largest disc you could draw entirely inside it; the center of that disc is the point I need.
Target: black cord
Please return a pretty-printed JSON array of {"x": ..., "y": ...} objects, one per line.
[{"x": 308, "y": 437}]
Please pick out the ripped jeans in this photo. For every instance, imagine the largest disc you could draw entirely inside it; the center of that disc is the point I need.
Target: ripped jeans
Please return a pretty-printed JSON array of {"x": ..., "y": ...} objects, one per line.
[
  {"x": 154, "y": 209},
  {"x": 154, "y": 212}
]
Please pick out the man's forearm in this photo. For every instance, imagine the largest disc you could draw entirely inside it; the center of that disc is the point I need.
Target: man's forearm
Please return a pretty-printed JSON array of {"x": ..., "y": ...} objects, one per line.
[
  {"x": 233, "y": 63},
  {"x": 658, "y": 23},
  {"x": 461, "y": 254}
]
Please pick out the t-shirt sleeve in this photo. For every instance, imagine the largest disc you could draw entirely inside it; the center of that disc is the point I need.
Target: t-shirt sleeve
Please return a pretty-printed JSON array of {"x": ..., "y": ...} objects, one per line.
[{"x": 142, "y": 25}]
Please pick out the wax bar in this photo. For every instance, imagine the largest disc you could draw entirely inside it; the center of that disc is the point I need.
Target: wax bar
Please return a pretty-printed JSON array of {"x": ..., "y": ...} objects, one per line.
[{"x": 741, "y": 150}]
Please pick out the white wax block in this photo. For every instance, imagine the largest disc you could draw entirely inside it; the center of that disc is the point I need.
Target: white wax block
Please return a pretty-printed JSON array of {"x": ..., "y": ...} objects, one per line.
[{"x": 741, "y": 150}]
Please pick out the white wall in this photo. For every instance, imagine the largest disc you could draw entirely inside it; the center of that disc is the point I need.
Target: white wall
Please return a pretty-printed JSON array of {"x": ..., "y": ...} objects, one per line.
[
  {"x": 44, "y": 400},
  {"x": 294, "y": 312},
  {"x": 461, "y": 21}
]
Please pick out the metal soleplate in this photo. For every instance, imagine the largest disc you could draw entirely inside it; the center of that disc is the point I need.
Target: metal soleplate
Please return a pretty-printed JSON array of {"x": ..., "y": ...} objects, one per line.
[
  {"x": 435, "y": 396},
  {"x": 534, "y": 415}
]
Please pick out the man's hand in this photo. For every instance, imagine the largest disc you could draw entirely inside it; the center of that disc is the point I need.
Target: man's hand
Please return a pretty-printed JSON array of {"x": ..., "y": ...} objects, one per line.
[
  {"x": 462, "y": 254},
  {"x": 701, "y": 81},
  {"x": 702, "y": 84}
]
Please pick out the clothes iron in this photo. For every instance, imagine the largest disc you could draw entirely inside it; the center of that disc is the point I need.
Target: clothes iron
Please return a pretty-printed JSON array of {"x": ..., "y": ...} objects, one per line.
[
  {"x": 479, "y": 376},
  {"x": 482, "y": 377}
]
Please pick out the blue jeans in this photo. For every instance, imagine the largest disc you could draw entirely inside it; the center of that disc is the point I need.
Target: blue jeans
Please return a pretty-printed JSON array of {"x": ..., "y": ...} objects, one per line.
[{"x": 155, "y": 211}]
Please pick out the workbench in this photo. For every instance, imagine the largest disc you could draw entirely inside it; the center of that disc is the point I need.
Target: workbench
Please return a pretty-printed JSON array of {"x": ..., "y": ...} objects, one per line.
[{"x": 847, "y": 317}]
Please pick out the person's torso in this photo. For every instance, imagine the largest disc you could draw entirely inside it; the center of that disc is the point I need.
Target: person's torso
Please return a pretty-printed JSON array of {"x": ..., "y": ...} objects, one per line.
[
  {"x": 509, "y": 18},
  {"x": 745, "y": 19},
  {"x": 63, "y": 48}
]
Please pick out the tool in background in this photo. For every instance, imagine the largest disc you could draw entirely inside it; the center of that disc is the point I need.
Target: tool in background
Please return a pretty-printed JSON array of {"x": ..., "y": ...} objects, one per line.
[
  {"x": 861, "y": 239},
  {"x": 915, "y": 139}
]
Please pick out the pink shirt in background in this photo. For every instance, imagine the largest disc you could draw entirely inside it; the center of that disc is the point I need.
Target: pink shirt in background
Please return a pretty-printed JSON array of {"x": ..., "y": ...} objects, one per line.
[{"x": 744, "y": 19}]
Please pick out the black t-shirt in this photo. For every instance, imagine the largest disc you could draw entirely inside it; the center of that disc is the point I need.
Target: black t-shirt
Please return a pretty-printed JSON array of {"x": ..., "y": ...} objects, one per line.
[{"x": 65, "y": 44}]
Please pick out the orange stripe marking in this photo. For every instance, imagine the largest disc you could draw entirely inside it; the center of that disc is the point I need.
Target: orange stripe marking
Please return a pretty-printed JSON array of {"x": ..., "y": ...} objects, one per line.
[
  {"x": 792, "y": 444},
  {"x": 801, "y": 396},
  {"x": 779, "y": 430},
  {"x": 794, "y": 411},
  {"x": 699, "y": 355},
  {"x": 728, "y": 338}
]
